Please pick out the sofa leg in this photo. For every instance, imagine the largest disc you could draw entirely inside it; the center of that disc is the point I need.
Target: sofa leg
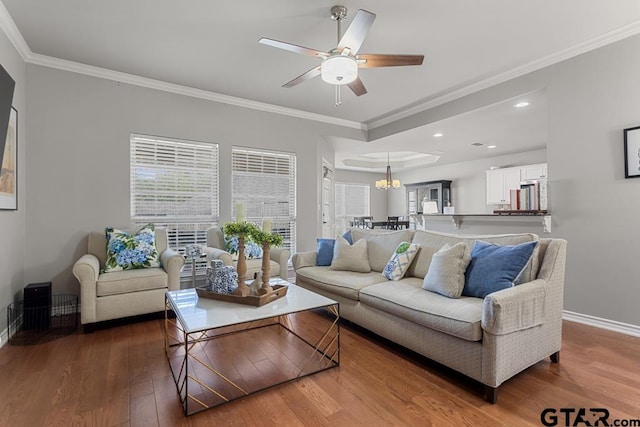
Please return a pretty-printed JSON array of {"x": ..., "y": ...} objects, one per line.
[
  {"x": 491, "y": 394},
  {"x": 555, "y": 357},
  {"x": 88, "y": 328}
]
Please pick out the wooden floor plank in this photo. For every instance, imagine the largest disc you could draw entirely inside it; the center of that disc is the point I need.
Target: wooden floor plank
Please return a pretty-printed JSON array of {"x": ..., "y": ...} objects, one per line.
[{"x": 120, "y": 376}]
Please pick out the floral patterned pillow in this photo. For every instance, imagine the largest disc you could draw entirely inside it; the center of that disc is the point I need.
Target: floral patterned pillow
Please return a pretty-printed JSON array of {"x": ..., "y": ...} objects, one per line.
[
  {"x": 128, "y": 252},
  {"x": 400, "y": 260},
  {"x": 251, "y": 248}
]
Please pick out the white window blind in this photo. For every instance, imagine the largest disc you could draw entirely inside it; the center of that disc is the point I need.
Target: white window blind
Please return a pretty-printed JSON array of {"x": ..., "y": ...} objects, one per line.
[
  {"x": 174, "y": 184},
  {"x": 351, "y": 200},
  {"x": 265, "y": 183}
]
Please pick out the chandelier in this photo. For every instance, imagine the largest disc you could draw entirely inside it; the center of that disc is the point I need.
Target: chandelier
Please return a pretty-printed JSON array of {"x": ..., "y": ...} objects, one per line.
[{"x": 388, "y": 182}]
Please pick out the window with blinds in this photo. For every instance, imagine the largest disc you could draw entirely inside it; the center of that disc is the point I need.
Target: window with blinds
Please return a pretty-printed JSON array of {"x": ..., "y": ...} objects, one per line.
[
  {"x": 351, "y": 200},
  {"x": 174, "y": 184},
  {"x": 264, "y": 182}
]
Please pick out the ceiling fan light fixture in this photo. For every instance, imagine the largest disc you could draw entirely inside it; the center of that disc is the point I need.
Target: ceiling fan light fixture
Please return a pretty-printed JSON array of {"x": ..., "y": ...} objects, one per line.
[{"x": 339, "y": 69}]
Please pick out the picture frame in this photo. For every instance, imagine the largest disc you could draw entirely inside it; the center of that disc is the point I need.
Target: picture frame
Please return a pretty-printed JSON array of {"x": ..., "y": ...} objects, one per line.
[
  {"x": 9, "y": 166},
  {"x": 632, "y": 152}
]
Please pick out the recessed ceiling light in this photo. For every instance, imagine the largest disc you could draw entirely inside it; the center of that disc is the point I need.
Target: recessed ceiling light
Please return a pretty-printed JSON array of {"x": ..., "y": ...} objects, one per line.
[
  {"x": 522, "y": 104},
  {"x": 438, "y": 134},
  {"x": 491, "y": 146}
]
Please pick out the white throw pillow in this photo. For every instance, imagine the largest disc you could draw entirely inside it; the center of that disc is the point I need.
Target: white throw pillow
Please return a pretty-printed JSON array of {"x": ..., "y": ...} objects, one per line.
[
  {"x": 400, "y": 261},
  {"x": 348, "y": 257},
  {"x": 446, "y": 271}
]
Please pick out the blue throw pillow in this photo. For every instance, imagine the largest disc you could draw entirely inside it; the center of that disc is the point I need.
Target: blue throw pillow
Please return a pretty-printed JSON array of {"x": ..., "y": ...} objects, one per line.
[
  {"x": 495, "y": 267},
  {"x": 324, "y": 252}
]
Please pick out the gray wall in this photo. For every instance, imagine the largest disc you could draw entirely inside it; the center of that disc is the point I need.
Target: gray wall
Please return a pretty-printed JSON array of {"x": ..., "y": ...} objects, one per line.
[
  {"x": 12, "y": 223},
  {"x": 78, "y": 161},
  {"x": 590, "y": 98},
  {"x": 76, "y": 178}
]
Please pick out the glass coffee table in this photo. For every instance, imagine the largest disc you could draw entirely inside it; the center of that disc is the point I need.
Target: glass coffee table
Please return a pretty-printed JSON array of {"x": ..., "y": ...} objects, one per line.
[{"x": 220, "y": 351}]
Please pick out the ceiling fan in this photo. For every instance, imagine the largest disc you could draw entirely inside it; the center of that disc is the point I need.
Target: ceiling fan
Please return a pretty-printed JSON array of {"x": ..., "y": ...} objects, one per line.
[{"x": 340, "y": 66}]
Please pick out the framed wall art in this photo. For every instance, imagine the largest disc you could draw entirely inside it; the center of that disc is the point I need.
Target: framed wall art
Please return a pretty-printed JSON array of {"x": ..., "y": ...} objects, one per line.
[
  {"x": 9, "y": 166},
  {"x": 632, "y": 152}
]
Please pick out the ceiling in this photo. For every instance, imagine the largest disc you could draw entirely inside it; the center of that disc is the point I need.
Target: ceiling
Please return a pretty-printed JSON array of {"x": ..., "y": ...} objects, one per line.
[{"x": 213, "y": 47}]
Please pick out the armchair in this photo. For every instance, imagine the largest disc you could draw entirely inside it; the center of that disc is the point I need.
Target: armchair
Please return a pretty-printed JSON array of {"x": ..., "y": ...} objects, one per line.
[
  {"x": 117, "y": 294},
  {"x": 216, "y": 249}
]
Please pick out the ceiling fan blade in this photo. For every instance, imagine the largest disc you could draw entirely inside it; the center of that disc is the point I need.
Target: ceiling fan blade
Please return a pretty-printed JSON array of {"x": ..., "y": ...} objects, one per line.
[
  {"x": 357, "y": 31},
  {"x": 293, "y": 48},
  {"x": 357, "y": 87},
  {"x": 375, "y": 60},
  {"x": 303, "y": 77}
]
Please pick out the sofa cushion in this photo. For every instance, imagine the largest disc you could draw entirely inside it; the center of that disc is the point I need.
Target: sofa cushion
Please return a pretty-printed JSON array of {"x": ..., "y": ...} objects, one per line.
[
  {"x": 343, "y": 283},
  {"x": 124, "y": 282},
  {"x": 446, "y": 272},
  {"x": 325, "y": 247},
  {"x": 496, "y": 267},
  {"x": 400, "y": 261},
  {"x": 430, "y": 242},
  {"x": 381, "y": 244},
  {"x": 131, "y": 251},
  {"x": 348, "y": 257},
  {"x": 459, "y": 317}
]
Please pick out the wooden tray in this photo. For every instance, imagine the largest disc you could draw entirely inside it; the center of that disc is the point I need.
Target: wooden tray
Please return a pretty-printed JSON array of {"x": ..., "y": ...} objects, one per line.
[{"x": 256, "y": 300}]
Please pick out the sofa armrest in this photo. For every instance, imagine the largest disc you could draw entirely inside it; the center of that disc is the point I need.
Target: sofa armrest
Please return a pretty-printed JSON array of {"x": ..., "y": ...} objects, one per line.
[
  {"x": 516, "y": 308},
  {"x": 281, "y": 256},
  {"x": 172, "y": 263},
  {"x": 87, "y": 270},
  {"x": 215, "y": 253},
  {"x": 304, "y": 259}
]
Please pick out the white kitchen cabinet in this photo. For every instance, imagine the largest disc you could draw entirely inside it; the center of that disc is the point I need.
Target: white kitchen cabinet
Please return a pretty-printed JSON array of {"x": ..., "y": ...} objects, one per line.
[
  {"x": 537, "y": 171},
  {"x": 499, "y": 183}
]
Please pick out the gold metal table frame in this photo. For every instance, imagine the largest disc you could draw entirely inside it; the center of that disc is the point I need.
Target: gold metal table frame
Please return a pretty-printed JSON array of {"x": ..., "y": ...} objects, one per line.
[{"x": 216, "y": 365}]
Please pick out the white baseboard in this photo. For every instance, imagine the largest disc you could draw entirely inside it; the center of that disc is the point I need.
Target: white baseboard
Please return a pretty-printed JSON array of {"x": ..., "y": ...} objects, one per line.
[
  {"x": 585, "y": 319},
  {"x": 598, "y": 322},
  {"x": 4, "y": 337}
]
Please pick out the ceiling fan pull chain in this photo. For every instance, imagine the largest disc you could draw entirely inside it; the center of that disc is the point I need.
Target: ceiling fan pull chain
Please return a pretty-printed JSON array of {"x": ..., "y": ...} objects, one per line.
[{"x": 338, "y": 97}]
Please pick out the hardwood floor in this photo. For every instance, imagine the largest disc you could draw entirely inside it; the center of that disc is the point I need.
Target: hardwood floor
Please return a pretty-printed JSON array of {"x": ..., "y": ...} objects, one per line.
[{"x": 119, "y": 376}]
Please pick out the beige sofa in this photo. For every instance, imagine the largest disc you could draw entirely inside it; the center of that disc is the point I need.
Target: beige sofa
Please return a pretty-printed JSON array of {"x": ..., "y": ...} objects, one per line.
[
  {"x": 216, "y": 249},
  {"x": 489, "y": 340},
  {"x": 118, "y": 294}
]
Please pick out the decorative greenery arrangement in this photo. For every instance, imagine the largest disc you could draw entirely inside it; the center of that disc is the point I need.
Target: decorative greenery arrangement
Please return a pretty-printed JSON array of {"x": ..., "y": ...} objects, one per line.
[
  {"x": 261, "y": 237},
  {"x": 252, "y": 231},
  {"x": 239, "y": 228}
]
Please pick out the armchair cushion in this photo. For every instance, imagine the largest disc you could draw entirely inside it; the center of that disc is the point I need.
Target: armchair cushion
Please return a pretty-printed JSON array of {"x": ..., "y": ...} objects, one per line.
[
  {"x": 128, "y": 252},
  {"x": 124, "y": 282}
]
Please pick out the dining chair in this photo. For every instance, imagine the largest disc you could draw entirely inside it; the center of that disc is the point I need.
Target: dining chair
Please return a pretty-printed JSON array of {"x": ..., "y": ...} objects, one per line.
[{"x": 392, "y": 222}]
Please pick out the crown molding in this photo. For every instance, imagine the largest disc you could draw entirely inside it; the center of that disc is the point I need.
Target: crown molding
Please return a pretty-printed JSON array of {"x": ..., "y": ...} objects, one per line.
[
  {"x": 90, "y": 70},
  {"x": 13, "y": 34},
  {"x": 589, "y": 45},
  {"x": 11, "y": 30}
]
